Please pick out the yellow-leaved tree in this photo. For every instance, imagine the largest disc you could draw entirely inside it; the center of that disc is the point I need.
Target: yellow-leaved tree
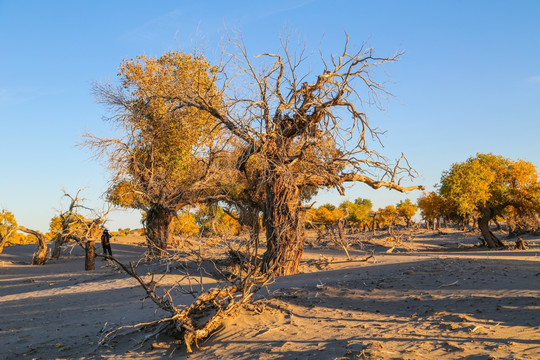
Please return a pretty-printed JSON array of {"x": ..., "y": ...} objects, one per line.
[
  {"x": 8, "y": 225},
  {"x": 488, "y": 184},
  {"x": 359, "y": 213},
  {"x": 162, "y": 159},
  {"x": 406, "y": 209},
  {"x": 432, "y": 208}
]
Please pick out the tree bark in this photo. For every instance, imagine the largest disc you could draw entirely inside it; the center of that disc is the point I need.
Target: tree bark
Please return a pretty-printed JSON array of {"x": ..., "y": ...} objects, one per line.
[
  {"x": 60, "y": 240},
  {"x": 42, "y": 254},
  {"x": 158, "y": 229},
  {"x": 90, "y": 255},
  {"x": 249, "y": 216},
  {"x": 284, "y": 234},
  {"x": 490, "y": 239}
]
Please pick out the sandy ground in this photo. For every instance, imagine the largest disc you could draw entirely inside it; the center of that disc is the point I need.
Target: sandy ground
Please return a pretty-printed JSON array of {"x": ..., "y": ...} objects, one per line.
[{"x": 431, "y": 296}]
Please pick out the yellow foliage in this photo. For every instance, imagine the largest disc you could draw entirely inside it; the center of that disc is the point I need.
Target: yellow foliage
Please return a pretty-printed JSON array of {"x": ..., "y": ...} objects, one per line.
[
  {"x": 386, "y": 216},
  {"x": 406, "y": 209},
  {"x": 431, "y": 206},
  {"x": 491, "y": 182},
  {"x": 122, "y": 194},
  {"x": 325, "y": 216},
  {"x": 185, "y": 224},
  {"x": 75, "y": 225},
  {"x": 213, "y": 219},
  {"x": 8, "y": 223},
  {"x": 227, "y": 225},
  {"x": 359, "y": 212},
  {"x": 157, "y": 83},
  {"x": 159, "y": 152}
]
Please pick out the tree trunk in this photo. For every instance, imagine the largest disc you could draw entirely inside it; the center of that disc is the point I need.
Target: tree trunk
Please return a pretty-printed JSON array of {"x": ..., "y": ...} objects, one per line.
[
  {"x": 284, "y": 233},
  {"x": 490, "y": 239},
  {"x": 158, "y": 229},
  {"x": 42, "y": 254},
  {"x": 58, "y": 247},
  {"x": 90, "y": 255}
]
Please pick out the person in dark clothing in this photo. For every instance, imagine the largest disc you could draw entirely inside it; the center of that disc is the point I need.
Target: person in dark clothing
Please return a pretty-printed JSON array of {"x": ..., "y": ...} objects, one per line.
[{"x": 106, "y": 242}]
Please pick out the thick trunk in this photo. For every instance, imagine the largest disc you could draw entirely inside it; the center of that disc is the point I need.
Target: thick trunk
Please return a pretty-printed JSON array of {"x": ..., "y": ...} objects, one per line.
[
  {"x": 158, "y": 229},
  {"x": 41, "y": 256},
  {"x": 90, "y": 255},
  {"x": 284, "y": 234},
  {"x": 490, "y": 239}
]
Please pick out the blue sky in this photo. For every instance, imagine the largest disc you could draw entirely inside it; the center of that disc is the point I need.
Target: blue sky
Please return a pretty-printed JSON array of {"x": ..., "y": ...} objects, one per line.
[{"x": 469, "y": 81}]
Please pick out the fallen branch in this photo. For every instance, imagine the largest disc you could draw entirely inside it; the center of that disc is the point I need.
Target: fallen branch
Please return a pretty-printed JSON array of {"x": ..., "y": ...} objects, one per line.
[
  {"x": 451, "y": 284},
  {"x": 213, "y": 305},
  {"x": 371, "y": 256}
]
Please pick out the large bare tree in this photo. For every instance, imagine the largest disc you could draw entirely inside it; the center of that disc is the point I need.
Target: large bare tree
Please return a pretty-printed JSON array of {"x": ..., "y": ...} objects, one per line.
[{"x": 301, "y": 130}]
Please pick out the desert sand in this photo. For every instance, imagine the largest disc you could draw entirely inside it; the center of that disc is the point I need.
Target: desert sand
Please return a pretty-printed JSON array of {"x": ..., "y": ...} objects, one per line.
[{"x": 433, "y": 296}]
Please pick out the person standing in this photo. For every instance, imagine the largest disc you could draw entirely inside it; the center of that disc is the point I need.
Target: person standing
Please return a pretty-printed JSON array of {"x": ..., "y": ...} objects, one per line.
[{"x": 106, "y": 242}]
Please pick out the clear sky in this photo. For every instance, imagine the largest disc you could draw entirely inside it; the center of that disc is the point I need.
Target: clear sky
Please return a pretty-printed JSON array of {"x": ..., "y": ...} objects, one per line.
[{"x": 469, "y": 81}]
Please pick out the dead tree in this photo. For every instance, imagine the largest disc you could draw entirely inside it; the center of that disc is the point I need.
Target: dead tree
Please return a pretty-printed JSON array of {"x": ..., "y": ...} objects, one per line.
[
  {"x": 78, "y": 228},
  {"x": 196, "y": 321},
  {"x": 301, "y": 131}
]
